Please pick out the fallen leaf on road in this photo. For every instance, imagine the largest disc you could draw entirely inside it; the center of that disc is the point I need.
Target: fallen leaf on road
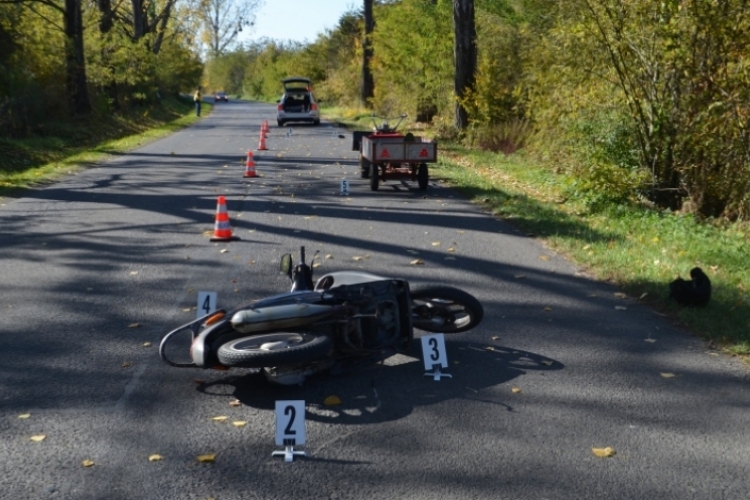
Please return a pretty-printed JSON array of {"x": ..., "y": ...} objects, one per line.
[
  {"x": 127, "y": 364},
  {"x": 667, "y": 375},
  {"x": 235, "y": 402},
  {"x": 134, "y": 325},
  {"x": 220, "y": 418},
  {"x": 147, "y": 344},
  {"x": 155, "y": 458},
  {"x": 332, "y": 401},
  {"x": 38, "y": 438},
  {"x": 133, "y": 273},
  {"x": 543, "y": 257},
  {"x": 436, "y": 243},
  {"x": 547, "y": 362},
  {"x": 650, "y": 340},
  {"x": 24, "y": 416},
  {"x": 224, "y": 250},
  {"x": 604, "y": 452},
  {"x": 87, "y": 463},
  {"x": 211, "y": 457},
  {"x": 417, "y": 262},
  {"x": 515, "y": 390},
  {"x": 239, "y": 423},
  {"x": 621, "y": 295}
]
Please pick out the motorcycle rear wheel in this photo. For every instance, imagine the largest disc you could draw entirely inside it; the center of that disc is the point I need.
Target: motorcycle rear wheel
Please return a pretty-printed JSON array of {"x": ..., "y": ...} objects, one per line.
[
  {"x": 274, "y": 349},
  {"x": 444, "y": 309}
]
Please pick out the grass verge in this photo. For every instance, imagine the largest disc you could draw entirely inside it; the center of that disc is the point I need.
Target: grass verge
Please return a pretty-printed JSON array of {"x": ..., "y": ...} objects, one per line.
[
  {"x": 634, "y": 247},
  {"x": 61, "y": 148}
]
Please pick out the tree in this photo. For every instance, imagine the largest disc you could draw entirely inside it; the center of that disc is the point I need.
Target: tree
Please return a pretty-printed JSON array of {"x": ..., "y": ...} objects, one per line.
[
  {"x": 76, "y": 84},
  {"x": 368, "y": 83},
  {"x": 464, "y": 56},
  {"x": 223, "y": 20}
]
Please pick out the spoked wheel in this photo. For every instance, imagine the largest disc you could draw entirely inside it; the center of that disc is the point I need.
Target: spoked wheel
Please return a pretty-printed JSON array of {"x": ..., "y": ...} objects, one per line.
[
  {"x": 274, "y": 349},
  {"x": 374, "y": 179},
  {"x": 444, "y": 309}
]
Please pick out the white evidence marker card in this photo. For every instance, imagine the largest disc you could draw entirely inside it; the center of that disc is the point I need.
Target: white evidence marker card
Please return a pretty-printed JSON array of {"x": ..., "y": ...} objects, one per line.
[
  {"x": 206, "y": 303},
  {"x": 433, "y": 351},
  {"x": 290, "y": 423}
]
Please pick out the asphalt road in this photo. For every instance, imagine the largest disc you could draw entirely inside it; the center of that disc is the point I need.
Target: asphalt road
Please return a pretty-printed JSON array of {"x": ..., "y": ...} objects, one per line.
[{"x": 106, "y": 261}]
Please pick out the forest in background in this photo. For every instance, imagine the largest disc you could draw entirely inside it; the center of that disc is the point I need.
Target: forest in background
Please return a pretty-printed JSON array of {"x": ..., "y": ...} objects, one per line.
[{"x": 632, "y": 100}]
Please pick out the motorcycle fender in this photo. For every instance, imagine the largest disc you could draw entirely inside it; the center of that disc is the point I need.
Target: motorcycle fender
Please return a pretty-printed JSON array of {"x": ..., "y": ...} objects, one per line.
[{"x": 200, "y": 349}]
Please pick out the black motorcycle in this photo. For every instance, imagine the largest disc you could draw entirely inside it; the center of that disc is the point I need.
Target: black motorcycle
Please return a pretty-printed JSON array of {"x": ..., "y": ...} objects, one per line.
[{"x": 343, "y": 320}]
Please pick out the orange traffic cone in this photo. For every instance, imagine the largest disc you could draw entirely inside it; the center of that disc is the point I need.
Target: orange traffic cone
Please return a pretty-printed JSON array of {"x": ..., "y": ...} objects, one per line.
[
  {"x": 265, "y": 125},
  {"x": 222, "y": 229},
  {"x": 262, "y": 145},
  {"x": 250, "y": 165}
]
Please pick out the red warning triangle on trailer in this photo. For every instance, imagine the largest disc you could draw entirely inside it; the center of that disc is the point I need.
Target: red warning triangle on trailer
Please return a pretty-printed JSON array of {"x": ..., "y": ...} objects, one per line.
[
  {"x": 384, "y": 153},
  {"x": 424, "y": 153}
]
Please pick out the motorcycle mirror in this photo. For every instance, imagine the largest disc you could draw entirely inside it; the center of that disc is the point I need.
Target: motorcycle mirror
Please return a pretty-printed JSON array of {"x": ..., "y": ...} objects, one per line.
[{"x": 286, "y": 265}]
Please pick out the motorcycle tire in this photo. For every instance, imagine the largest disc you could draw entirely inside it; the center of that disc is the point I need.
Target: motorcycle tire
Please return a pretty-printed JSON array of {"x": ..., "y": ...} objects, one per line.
[
  {"x": 444, "y": 309},
  {"x": 273, "y": 349}
]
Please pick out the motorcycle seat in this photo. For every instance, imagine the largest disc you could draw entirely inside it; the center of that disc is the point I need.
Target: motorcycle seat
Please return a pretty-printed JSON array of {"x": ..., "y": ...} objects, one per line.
[
  {"x": 342, "y": 278},
  {"x": 279, "y": 317}
]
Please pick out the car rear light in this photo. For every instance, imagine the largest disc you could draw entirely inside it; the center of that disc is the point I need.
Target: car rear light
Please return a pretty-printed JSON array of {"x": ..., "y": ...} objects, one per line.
[
  {"x": 280, "y": 107},
  {"x": 314, "y": 107}
]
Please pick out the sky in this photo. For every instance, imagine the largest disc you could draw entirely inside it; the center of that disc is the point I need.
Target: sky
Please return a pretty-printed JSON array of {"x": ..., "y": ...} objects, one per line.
[{"x": 298, "y": 20}]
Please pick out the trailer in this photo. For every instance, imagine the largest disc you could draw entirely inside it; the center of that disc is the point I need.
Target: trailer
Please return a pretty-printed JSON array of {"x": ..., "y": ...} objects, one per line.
[{"x": 386, "y": 154}]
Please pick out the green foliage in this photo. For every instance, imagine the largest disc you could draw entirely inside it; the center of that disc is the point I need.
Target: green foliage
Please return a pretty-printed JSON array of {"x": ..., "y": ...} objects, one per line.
[
  {"x": 679, "y": 70},
  {"x": 413, "y": 54}
]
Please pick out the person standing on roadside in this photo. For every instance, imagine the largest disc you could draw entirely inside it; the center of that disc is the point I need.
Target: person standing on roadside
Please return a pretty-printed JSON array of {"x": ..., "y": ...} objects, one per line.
[{"x": 197, "y": 98}]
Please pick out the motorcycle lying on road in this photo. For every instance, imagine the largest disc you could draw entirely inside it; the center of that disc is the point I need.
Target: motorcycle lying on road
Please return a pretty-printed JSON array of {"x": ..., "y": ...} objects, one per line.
[{"x": 345, "y": 319}]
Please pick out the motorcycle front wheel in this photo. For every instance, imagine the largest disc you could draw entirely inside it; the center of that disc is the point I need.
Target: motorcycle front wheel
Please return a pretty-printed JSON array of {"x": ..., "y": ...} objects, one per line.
[
  {"x": 444, "y": 309},
  {"x": 274, "y": 349}
]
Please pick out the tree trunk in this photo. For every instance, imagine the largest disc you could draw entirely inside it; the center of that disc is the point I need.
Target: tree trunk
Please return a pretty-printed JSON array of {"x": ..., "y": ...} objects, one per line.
[
  {"x": 76, "y": 83},
  {"x": 464, "y": 56},
  {"x": 368, "y": 84},
  {"x": 106, "y": 23}
]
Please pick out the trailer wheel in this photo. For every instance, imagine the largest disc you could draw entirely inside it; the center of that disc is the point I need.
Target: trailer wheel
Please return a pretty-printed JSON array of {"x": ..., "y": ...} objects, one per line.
[
  {"x": 364, "y": 167},
  {"x": 423, "y": 176},
  {"x": 374, "y": 179}
]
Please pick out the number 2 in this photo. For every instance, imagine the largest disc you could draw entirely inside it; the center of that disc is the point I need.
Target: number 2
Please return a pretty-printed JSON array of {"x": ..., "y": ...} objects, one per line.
[{"x": 289, "y": 410}]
